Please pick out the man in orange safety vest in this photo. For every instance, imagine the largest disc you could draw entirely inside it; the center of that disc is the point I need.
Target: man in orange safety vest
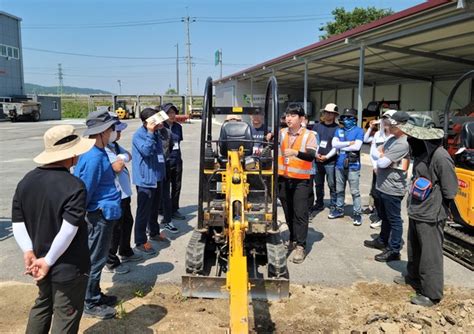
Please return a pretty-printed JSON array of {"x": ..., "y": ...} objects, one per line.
[{"x": 296, "y": 153}]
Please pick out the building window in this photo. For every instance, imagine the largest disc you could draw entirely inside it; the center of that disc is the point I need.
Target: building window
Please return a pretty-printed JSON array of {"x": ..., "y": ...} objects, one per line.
[
  {"x": 9, "y": 51},
  {"x": 55, "y": 105}
]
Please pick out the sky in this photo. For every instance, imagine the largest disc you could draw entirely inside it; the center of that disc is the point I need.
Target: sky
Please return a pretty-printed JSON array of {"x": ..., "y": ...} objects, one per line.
[{"x": 134, "y": 41}]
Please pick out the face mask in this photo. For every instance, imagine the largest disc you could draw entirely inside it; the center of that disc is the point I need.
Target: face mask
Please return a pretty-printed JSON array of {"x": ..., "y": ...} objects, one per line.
[
  {"x": 113, "y": 137},
  {"x": 349, "y": 122}
]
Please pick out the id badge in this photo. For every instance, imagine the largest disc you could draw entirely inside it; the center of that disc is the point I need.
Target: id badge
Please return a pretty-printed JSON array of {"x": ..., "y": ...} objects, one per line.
[
  {"x": 287, "y": 161},
  {"x": 161, "y": 158},
  {"x": 323, "y": 144},
  {"x": 176, "y": 146}
]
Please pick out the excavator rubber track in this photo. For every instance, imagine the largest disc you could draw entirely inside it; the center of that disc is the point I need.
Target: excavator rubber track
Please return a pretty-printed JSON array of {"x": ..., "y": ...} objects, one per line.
[
  {"x": 200, "y": 283},
  {"x": 459, "y": 244}
]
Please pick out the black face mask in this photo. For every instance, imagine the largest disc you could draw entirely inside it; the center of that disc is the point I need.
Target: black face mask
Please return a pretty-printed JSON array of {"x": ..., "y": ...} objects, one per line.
[{"x": 417, "y": 147}]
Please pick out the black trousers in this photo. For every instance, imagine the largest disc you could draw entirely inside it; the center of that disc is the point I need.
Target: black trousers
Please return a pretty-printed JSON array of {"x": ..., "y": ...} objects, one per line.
[
  {"x": 311, "y": 192},
  {"x": 425, "y": 257},
  {"x": 121, "y": 235},
  {"x": 293, "y": 194},
  {"x": 176, "y": 176},
  {"x": 374, "y": 194},
  {"x": 63, "y": 299}
]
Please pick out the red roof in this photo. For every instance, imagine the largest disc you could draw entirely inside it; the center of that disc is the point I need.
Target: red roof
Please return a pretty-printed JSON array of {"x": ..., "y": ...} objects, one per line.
[{"x": 430, "y": 4}]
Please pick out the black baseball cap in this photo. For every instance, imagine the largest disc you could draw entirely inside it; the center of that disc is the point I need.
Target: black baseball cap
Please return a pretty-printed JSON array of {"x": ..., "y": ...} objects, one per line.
[{"x": 146, "y": 113}]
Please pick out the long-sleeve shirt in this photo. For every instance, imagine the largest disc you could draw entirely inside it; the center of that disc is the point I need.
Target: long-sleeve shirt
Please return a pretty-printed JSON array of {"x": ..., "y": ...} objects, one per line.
[{"x": 95, "y": 170}]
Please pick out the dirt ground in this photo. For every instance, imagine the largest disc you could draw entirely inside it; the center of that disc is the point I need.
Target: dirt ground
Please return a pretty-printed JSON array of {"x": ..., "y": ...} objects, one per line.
[{"x": 363, "y": 307}]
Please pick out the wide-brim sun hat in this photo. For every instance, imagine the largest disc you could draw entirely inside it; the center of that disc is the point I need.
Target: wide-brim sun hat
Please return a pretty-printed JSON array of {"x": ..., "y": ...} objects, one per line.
[
  {"x": 61, "y": 142},
  {"x": 98, "y": 122},
  {"x": 423, "y": 131}
]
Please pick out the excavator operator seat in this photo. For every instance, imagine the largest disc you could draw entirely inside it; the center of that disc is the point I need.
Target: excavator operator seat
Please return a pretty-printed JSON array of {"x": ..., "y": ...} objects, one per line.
[{"x": 232, "y": 132}]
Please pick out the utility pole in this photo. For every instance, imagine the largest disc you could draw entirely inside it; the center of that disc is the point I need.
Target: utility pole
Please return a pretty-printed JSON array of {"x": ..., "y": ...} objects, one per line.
[
  {"x": 177, "y": 68},
  {"x": 60, "y": 77},
  {"x": 120, "y": 86},
  {"x": 189, "y": 90}
]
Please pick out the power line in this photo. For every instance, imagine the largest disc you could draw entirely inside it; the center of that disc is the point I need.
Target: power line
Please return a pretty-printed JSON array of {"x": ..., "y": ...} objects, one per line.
[
  {"x": 106, "y": 25},
  {"x": 204, "y": 19},
  {"x": 92, "y": 56}
]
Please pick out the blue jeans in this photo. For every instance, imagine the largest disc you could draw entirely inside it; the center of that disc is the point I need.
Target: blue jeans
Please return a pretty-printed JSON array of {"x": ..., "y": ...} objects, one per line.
[
  {"x": 100, "y": 235},
  {"x": 146, "y": 208},
  {"x": 328, "y": 170},
  {"x": 392, "y": 223},
  {"x": 351, "y": 176}
]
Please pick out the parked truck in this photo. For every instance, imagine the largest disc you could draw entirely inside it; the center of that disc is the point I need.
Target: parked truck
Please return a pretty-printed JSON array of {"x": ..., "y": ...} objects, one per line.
[{"x": 22, "y": 110}]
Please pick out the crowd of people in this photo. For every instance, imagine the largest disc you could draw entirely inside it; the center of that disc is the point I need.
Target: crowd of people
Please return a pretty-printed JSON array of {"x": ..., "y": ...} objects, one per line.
[
  {"x": 72, "y": 215},
  {"x": 309, "y": 155},
  {"x": 59, "y": 216}
]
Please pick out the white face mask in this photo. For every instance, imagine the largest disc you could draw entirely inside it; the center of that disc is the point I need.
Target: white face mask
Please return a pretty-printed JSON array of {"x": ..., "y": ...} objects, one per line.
[{"x": 113, "y": 137}]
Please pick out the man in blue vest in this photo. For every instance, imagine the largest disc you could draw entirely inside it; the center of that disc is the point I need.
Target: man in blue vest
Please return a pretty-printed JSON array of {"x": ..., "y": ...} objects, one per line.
[{"x": 348, "y": 141}]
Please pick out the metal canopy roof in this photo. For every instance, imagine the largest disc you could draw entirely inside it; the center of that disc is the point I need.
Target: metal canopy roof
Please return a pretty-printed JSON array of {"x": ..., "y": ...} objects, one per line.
[{"x": 431, "y": 41}]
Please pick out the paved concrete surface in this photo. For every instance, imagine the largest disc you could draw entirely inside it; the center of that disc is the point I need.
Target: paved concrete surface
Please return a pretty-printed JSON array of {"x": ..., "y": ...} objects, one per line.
[{"x": 336, "y": 254}]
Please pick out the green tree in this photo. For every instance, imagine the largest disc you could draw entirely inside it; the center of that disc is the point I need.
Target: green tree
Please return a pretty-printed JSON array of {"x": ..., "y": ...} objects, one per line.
[
  {"x": 171, "y": 91},
  {"x": 345, "y": 20}
]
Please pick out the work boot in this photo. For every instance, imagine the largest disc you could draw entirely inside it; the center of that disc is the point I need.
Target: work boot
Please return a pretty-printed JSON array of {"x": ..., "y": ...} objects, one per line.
[{"x": 299, "y": 255}]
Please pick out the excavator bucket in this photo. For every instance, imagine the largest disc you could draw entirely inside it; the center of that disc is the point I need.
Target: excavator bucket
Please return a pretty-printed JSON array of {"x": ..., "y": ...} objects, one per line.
[{"x": 214, "y": 287}]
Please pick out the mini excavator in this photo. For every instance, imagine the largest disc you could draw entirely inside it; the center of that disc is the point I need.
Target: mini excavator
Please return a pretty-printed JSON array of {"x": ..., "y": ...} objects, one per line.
[
  {"x": 236, "y": 250},
  {"x": 459, "y": 142}
]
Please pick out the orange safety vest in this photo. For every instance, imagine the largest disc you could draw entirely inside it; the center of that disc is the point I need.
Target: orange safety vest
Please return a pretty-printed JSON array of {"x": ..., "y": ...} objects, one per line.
[{"x": 293, "y": 167}]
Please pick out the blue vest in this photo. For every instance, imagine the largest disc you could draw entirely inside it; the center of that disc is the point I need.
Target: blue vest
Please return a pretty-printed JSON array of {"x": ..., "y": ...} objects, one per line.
[{"x": 356, "y": 133}]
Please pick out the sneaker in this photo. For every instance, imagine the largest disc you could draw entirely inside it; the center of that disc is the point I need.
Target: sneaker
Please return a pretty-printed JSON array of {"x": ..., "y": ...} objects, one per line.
[
  {"x": 178, "y": 215},
  {"x": 159, "y": 237},
  {"x": 108, "y": 300},
  {"x": 421, "y": 300},
  {"x": 333, "y": 214},
  {"x": 375, "y": 243},
  {"x": 376, "y": 224},
  {"x": 146, "y": 248},
  {"x": 120, "y": 269},
  {"x": 100, "y": 311},
  {"x": 170, "y": 228},
  {"x": 357, "y": 220},
  {"x": 299, "y": 255},
  {"x": 132, "y": 258}
]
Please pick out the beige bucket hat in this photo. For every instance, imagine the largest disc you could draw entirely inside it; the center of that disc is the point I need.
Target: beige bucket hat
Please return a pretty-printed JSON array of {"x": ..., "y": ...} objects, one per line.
[{"x": 62, "y": 142}]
